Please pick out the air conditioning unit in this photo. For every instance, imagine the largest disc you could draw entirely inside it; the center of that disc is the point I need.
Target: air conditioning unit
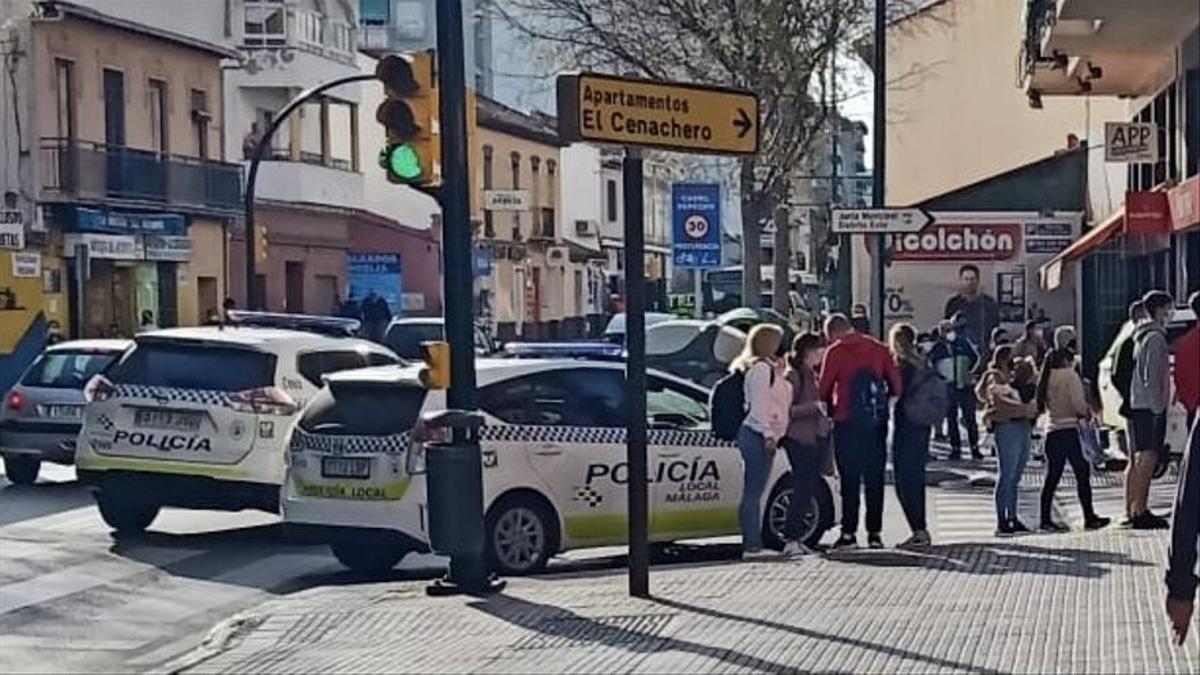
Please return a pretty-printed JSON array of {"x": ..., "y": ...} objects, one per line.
[
  {"x": 586, "y": 227},
  {"x": 556, "y": 256}
]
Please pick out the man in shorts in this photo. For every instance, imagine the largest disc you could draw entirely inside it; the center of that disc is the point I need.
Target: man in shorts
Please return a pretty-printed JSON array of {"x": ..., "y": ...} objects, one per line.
[{"x": 1149, "y": 398}]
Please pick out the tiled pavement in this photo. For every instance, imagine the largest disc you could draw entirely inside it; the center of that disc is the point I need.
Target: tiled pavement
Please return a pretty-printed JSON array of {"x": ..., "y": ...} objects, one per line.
[{"x": 1078, "y": 602}]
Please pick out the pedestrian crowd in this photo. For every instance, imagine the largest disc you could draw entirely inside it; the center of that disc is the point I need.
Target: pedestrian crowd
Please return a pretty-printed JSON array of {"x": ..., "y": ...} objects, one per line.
[{"x": 833, "y": 399}]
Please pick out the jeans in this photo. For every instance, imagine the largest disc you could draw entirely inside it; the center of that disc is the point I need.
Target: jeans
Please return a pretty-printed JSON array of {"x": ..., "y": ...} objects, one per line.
[
  {"x": 861, "y": 453},
  {"x": 1013, "y": 440},
  {"x": 910, "y": 452},
  {"x": 756, "y": 465},
  {"x": 806, "y": 466},
  {"x": 962, "y": 400},
  {"x": 1062, "y": 446}
]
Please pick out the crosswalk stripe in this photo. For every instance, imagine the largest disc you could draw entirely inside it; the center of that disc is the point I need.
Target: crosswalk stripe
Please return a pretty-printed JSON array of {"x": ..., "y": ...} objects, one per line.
[{"x": 84, "y": 576}]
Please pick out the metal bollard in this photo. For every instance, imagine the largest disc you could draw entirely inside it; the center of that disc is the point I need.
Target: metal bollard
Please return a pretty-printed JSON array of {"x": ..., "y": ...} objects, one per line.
[{"x": 454, "y": 485}]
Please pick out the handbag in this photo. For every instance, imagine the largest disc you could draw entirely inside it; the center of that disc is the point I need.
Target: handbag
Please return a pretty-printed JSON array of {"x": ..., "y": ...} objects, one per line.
[{"x": 1089, "y": 442}]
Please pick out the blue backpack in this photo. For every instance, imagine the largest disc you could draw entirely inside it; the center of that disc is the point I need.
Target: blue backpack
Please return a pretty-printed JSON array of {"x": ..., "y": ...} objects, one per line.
[{"x": 868, "y": 399}]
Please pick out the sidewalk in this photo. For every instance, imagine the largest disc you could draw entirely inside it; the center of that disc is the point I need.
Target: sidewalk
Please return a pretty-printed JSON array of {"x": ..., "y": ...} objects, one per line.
[{"x": 1078, "y": 602}]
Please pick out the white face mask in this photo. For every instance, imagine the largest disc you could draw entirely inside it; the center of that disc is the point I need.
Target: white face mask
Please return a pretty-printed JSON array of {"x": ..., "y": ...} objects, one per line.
[{"x": 951, "y": 336}]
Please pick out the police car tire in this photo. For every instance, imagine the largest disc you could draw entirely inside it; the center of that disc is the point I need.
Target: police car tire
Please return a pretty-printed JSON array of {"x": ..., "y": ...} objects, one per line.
[
  {"x": 824, "y": 503},
  {"x": 22, "y": 470},
  {"x": 366, "y": 557},
  {"x": 125, "y": 515},
  {"x": 541, "y": 510}
]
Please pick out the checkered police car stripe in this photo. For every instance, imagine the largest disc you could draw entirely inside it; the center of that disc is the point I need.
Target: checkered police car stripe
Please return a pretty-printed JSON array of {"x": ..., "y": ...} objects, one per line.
[
  {"x": 175, "y": 394},
  {"x": 345, "y": 444},
  {"x": 597, "y": 436}
]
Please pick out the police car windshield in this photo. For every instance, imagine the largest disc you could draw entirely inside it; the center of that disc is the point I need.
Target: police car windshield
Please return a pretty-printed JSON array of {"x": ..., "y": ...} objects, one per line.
[
  {"x": 67, "y": 369},
  {"x": 208, "y": 367}
]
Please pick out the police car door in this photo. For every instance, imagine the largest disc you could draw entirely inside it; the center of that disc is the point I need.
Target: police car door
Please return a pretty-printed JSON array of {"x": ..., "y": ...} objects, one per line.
[
  {"x": 695, "y": 477},
  {"x": 569, "y": 425}
]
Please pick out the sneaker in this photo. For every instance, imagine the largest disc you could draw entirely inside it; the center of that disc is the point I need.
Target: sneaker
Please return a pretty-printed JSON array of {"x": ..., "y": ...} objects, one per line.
[
  {"x": 760, "y": 554},
  {"x": 1005, "y": 530},
  {"x": 795, "y": 549},
  {"x": 845, "y": 541},
  {"x": 1149, "y": 521},
  {"x": 1096, "y": 523},
  {"x": 918, "y": 540},
  {"x": 874, "y": 540},
  {"x": 1051, "y": 526},
  {"x": 1018, "y": 527},
  {"x": 1127, "y": 523}
]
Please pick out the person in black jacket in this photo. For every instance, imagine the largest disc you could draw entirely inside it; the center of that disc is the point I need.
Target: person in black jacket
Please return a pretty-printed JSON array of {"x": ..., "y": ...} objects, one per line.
[
  {"x": 1185, "y": 539},
  {"x": 980, "y": 310}
]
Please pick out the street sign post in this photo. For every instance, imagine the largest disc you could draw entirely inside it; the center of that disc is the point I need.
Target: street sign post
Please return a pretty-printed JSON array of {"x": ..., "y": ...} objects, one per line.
[
  {"x": 666, "y": 115},
  {"x": 880, "y": 221}
]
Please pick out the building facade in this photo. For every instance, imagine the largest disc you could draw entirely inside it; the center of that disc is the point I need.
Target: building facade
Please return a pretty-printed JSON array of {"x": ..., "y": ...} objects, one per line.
[{"x": 118, "y": 185}]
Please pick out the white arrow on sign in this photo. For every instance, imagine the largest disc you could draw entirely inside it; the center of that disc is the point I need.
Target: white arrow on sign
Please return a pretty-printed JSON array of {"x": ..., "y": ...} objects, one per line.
[{"x": 880, "y": 221}]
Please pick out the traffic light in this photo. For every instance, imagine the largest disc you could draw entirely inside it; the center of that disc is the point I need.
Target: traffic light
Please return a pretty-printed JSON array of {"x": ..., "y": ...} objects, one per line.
[
  {"x": 260, "y": 242},
  {"x": 436, "y": 372},
  {"x": 409, "y": 114}
]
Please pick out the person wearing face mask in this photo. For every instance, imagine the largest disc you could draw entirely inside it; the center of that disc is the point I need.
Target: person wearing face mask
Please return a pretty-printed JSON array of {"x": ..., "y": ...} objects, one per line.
[
  {"x": 1032, "y": 344},
  {"x": 955, "y": 358}
]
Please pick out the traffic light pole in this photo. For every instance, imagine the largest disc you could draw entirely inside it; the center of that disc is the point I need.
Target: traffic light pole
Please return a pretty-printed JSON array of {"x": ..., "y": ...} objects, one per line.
[
  {"x": 879, "y": 160},
  {"x": 260, "y": 149}
]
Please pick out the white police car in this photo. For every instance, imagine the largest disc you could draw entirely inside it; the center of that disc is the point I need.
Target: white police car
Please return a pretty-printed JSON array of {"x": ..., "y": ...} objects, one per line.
[
  {"x": 554, "y": 455},
  {"x": 198, "y": 417}
]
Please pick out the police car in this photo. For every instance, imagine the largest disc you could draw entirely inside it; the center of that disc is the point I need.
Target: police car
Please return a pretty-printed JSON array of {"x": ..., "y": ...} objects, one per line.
[
  {"x": 555, "y": 471},
  {"x": 198, "y": 417},
  {"x": 1110, "y": 399}
]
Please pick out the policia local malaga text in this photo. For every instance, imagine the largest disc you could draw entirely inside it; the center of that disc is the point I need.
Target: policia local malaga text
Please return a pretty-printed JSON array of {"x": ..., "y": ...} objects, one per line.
[{"x": 619, "y": 122}]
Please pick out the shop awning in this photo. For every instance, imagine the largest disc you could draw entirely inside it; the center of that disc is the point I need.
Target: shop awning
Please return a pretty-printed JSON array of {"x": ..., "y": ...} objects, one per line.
[{"x": 1051, "y": 272}]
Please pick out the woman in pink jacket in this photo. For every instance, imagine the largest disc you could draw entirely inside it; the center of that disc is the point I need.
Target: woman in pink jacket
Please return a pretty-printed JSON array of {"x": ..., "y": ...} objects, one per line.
[{"x": 768, "y": 399}]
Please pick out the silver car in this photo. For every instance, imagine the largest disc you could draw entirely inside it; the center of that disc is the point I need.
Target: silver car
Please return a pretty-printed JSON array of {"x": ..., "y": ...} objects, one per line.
[{"x": 41, "y": 414}]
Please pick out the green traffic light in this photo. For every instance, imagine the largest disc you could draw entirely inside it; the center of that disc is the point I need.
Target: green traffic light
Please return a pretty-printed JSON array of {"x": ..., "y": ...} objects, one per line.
[{"x": 402, "y": 162}]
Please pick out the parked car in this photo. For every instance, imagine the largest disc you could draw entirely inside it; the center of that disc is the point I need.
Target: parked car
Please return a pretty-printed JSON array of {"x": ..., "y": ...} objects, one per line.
[
  {"x": 42, "y": 413},
  {"x": 405, "y": 335},
  {"x": 698, "y": 351},
  {"x": 745, "y": 318},
  {"x": 615, "y": 331}
]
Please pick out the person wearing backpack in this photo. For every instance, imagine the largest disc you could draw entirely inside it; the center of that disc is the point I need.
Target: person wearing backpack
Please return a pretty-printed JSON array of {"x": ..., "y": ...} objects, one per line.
[
  {"x": 858, "y": 377},
  {"x": 808, "y": 427},
  {"x": 1009, "y": 410},
  {"x": 1060, "y": 394},
  {"x": 1149, "y": 399},
  {"x": 922, "y": 405},
  {"x": 768, "y": 398}
]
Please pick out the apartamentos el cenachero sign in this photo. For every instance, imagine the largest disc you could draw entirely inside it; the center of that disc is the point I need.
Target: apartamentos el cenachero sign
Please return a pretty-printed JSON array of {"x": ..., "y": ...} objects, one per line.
[{"x": 668, "y": 115}]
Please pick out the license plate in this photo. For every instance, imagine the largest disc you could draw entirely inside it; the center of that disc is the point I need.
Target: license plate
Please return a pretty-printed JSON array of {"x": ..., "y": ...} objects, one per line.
[
  {"x": 62, "y": 411},
  {"x": 345, "y": 467},
  {"x": 171, "y": 420}
]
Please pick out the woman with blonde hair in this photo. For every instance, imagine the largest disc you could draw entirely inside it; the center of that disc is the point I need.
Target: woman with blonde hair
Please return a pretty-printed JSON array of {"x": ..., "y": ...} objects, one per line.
[{"x": 768, "y": 397}]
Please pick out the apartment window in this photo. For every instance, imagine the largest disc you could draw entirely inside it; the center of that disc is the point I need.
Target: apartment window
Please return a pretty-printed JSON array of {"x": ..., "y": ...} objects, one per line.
[
  {"x": 610, "y": 200},
  {"x": 200, "y": 120},
  {"x": 375, "y": 12},
  {"x": 489, "y": 227},
  {"x": 516, "y": 185},
  {"x": 535, "y": 166},
  {"x": 551, "y": 192},
  {"x": 64, "y": 82},
  {"x": 265, "y": 24},
  {"x": 158, "y": 115},
  {"x": 340, "y": 37}
]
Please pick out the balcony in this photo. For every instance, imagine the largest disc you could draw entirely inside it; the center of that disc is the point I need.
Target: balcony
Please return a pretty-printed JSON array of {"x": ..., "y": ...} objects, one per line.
[
  {"x": 83, "y": 170},
  {"x": 1101, "y": 47},
  {"x": 309, "y": 182}
]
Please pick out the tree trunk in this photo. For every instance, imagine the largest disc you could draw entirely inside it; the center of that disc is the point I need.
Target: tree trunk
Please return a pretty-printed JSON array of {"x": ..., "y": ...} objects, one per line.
[
  {"x": 751, "y": 236},
  {"x": 782, "y": 299}
]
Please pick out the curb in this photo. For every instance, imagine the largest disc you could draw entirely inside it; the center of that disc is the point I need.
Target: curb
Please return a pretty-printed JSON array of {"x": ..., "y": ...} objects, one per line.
[{"x": 218, "y": 640}]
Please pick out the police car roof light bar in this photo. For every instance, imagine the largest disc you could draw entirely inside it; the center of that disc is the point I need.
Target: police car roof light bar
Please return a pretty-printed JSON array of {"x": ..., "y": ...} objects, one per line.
[{"x": 310, "y": 323}]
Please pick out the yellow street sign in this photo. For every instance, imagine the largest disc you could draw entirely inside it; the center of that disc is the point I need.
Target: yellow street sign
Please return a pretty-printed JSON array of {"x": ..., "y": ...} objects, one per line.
[{"x": 668, "y": 115}]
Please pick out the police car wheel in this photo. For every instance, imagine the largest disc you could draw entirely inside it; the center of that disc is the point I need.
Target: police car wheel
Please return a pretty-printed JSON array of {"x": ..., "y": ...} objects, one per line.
[
  {"x": 368, "y": 557},
  {"x": 125, "y": 515},
  {"x": 775, "y": 518},
  {"x": 520, "y": 539},
  {"x": 22, "y": 470}
]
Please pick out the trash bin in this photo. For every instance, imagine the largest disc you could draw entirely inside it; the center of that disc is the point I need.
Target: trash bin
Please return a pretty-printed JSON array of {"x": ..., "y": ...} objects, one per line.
[{"x": 454, "y": 485}]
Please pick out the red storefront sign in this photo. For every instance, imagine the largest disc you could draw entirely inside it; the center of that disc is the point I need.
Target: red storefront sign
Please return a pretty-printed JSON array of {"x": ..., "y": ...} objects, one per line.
[
  {"x": 1184, "y": 200},
  {"x": 959, "y": 242},
  {"x": 1147, "y": 213}
]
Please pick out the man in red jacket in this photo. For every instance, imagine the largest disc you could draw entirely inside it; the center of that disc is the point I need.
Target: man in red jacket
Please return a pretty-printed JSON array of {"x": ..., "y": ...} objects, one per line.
[
  {"x": 857, "y": 378},
  {"x": 1187, "y": 363}
]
